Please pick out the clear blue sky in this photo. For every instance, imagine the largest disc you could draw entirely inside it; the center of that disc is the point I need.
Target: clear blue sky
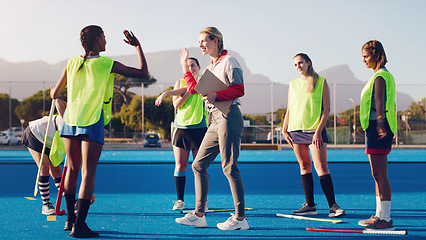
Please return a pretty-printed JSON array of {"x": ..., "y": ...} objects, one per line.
[{"x": 267, "y": 34}]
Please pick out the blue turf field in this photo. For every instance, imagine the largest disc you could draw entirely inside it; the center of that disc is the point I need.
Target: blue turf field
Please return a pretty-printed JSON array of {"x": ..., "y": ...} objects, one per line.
[{"x": 134, "y": 201}]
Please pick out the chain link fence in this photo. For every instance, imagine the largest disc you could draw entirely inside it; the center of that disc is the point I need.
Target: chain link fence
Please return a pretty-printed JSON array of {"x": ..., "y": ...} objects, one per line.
[{"x": 340, "y": 128}]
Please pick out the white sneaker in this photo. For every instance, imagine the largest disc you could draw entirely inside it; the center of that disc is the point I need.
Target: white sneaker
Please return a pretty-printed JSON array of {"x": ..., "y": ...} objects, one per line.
[
  {"x": 179, "y": 205},
  {"x": 48, "y": 209},
  {"x": 191, "y": 219},
  {"x": 233, "y": 224}
]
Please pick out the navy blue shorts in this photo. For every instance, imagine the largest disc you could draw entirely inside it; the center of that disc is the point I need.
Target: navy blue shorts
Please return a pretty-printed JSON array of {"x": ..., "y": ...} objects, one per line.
[
  {"x": 30, "y": 141},
  {"x": 375, "y": 145},
  {"x": 300, "y": 137}
]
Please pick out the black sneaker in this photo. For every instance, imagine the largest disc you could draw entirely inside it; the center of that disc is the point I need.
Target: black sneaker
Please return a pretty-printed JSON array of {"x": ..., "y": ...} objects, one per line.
[
  {"x": 68, "y": 225},
  {"x": 371, "y": 220},
  {"x": 83, "y": 232},
  {"x": 381, "y": 225},
  {"x": 306, "y": 210},
  {"x": 336, "y": 211}
]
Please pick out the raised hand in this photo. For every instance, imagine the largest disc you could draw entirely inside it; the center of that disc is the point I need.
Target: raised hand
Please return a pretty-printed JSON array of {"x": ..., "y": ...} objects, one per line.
[
  {"x": 131, "y": 39},
  {"x": 184, "y": 54}
]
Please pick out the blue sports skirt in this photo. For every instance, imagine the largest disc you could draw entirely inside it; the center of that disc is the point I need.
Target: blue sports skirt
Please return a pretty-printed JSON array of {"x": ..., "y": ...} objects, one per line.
[
  {"x": 300, "y": 137},
  {"x": 95, "y": 131}
]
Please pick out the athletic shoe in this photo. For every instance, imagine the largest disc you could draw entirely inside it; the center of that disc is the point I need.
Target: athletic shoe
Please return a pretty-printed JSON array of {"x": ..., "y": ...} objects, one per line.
[
  {"x": 48, "y": 209},
  {"x": 191, "y": 219},
  {"x": 373, "y": 219},
  {"x": 179, "y": 205},
  {"x": 381, "y": 225},
  {"x": 335, "y": 211},
  {"x": 68, "y": 225},
  {"x": 76, "y": 206},
  {"x": 233, "y": 224},
  {"x": 306, "y": 210},
  {"x": 83, "y": 232}
]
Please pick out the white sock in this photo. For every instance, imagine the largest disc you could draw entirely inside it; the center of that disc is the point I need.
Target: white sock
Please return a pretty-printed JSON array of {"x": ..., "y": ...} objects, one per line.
[
  {"x": 386, "y": 208},
  {"x": 378, "y": 207}
]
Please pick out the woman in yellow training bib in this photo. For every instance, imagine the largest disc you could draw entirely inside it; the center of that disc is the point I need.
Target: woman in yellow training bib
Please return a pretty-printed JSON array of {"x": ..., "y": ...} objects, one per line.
[
  {"x": 304, "y": 129},
  {"x": 189, "y": 128},
  {"x": 378, "y": 119},
  {"x": 89, "y": 79}
]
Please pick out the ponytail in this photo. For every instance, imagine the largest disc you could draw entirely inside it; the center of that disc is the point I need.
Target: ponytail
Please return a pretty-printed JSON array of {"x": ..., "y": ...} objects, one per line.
[
  {"x": 88, "y": 39},
  {"x": 312, "y": 75}
]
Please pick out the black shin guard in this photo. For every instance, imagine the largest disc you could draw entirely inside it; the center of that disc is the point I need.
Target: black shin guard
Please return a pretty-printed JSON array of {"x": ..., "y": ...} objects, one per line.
[
  {"x": 83, "y": 209},
  {"x": 70, "y": 202},
  {"x": 327, "y": 188},
  {"x": 308, "y": 188},
  {"x": 180, "y": 187}
]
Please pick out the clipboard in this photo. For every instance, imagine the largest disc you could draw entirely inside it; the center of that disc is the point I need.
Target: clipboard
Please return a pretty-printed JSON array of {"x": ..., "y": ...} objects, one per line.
[{"x": 210, "y": 83}]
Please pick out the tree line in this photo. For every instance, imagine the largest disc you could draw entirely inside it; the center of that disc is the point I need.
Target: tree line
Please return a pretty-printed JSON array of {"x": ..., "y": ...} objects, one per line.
[{"x": 127, "y": 111}]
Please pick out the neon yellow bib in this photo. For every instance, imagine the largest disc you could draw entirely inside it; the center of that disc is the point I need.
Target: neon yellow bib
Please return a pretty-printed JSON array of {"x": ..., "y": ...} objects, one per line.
[
  {"x": 87, "y": 90},
  {"x": 305, "y": 107},
  {"x": 366, "y": 94},
  {"x": 192, "y": 111}
]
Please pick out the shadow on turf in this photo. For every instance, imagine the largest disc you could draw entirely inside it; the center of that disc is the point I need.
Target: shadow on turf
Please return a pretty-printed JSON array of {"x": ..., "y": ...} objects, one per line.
[{"x": 127, "y": 235}]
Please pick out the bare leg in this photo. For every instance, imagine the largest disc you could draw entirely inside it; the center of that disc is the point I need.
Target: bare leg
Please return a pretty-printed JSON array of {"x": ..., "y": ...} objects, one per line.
[
  {"x": 181, "y": 158},
  {"x": 73, "y": 150},
  {"x": 379, "y": 170},
  {"x": 303, "y": 158},
  {"x": 90, "y": 152},
  {"x": 37, "y": 157},
  {"x": 319, "y": 158}
]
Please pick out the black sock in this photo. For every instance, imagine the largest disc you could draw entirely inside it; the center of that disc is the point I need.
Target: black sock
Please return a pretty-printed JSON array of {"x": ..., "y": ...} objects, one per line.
[
  {"x": 83, "y": 209},
  {"x": 43, "y": 186},
  {"x": 70, "y": 202},
  {"x": 327, "y": 188},
  {"x": 180, "y": 187},
  {"x": 308, "y": 188},
  {"x": 57, "y": 182}
]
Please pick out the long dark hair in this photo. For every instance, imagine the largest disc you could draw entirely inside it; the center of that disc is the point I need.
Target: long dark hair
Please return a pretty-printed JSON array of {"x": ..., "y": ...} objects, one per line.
[
  {"x": 376, "y": 49},
  {"x": 196, "y": 60},
  {"x": 88, "y": 39}
]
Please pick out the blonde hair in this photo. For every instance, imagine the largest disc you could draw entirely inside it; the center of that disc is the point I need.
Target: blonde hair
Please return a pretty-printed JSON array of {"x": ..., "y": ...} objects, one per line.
[
  {"x": 312, "y": 75},
  {"x": 376, "y": 49},
  {"x": 213, "y": 33}
]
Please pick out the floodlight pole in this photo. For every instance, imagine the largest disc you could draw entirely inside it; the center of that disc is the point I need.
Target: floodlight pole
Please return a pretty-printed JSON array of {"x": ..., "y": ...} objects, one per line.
[
  {"x": 272, "y": 113},
  {"x": 354, "y": 125},
  {"x": 143, "y": 115}
]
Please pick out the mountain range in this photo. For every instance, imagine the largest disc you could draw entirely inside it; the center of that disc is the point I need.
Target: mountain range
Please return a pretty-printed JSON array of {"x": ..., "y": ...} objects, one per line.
[{"x": 29, "y": 77}]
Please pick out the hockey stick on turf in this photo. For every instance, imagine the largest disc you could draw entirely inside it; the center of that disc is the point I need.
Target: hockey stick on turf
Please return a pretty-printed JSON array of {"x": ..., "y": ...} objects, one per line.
[
  {"x": 215, "y": 210},
  {"x": 359, "y": 231},
  {"x": 308, "y": 218},
  {"x": 58, "y": 210},
  {"x": 52, "y": 109}
]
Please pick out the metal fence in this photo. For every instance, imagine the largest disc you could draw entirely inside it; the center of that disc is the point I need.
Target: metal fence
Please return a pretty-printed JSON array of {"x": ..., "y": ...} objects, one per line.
[{"x": 344, "y": 97}]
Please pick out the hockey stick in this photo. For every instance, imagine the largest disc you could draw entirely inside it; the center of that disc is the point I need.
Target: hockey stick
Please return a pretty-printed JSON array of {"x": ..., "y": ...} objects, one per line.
[
  {"x": 308, "y": 218},
  {"x": 215, "y": 210},
  {"x": 359, "y": 231},
  {"x": 52, "y": 109},
  {"x": 58, "y": 210}
]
